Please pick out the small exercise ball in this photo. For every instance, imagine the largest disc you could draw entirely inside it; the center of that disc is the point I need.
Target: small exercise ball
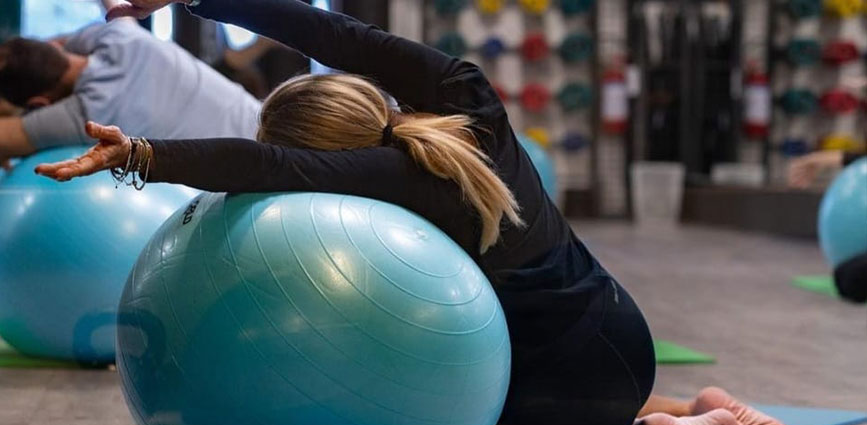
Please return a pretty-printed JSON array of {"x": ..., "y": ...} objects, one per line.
[
  {"x": 544, "y": 165},
  {"x": 304, "y": 308},
  {"x": 66, "y": 250},
  {"x": 843, "y": 215}
]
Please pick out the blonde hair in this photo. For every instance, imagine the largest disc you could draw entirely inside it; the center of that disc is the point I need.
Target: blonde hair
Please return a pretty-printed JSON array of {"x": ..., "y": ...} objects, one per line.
[{"x": 337, "y": 112}]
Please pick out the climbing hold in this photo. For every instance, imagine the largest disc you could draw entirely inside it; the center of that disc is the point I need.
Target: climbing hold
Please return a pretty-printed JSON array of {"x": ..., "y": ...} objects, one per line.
[
  {"x": 539, "y": 135},
  {"x": 492, "y": 48},
  {"x": 536, "y": 7},
  {"x": 574, "y": 142},
  {"x": 576, "y": 47},
  {"x": 449, "y": 7},
  {"x": 793, "y": 147},
  {"x": 452, "y": 44},
  {"x": 840, "y": 52},
  {"x": 574, "y": 96},
  {"x": 805, "y": 8},
  {"x": 575, "y": 7},
  {"x": 799, "y": 102},
  {"x": 535, "y": 47},
  {"x": 804, "y": 51},
  {"x": 839, "y": 102},
  {"x": 840, "y": 142},
  {"x": 535, "y": 97},
  {"x": 844, "y": 8},
  {"x": 490, "y": 6}
]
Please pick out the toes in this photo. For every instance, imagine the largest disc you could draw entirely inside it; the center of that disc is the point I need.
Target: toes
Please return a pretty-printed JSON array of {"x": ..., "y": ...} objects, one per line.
[
  {"x": 722, "y": 417},
  {"x": 657, "y": 419}
]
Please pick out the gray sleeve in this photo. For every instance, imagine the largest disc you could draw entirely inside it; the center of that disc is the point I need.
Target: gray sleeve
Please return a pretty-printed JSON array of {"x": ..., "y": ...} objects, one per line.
[{"x": 60, "y": 124}]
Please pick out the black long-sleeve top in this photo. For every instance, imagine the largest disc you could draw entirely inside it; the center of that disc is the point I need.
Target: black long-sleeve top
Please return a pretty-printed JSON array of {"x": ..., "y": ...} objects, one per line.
[
  {"x": 850, "y": 157},
  {"x": 543, "y": 274}
]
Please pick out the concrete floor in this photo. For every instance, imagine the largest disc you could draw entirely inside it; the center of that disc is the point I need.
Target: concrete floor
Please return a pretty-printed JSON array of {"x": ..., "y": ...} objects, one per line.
[{"x": 718, "y": 291}]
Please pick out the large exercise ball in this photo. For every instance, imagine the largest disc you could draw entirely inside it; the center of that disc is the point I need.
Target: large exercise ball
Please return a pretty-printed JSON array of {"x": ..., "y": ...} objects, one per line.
[
  {"x": 544, "y": 165},
  {"x": 843, "y": 215},
  {"x": 66, "y": 250},
  {"x": 316, "y": 309}
]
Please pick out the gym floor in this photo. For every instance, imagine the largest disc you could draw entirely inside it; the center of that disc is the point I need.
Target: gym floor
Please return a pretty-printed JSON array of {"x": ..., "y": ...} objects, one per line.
[{"x": 721, "y": 292}]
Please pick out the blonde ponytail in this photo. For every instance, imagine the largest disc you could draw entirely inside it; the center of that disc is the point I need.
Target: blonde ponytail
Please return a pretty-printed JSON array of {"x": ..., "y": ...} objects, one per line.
[
  {"x": 333, "y": 112},
  {"x": 447, "y": 148}
]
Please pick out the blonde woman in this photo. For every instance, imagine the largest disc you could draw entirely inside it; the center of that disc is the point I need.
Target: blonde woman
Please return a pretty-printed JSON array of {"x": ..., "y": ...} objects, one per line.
[{"x": 582, "y": 352}]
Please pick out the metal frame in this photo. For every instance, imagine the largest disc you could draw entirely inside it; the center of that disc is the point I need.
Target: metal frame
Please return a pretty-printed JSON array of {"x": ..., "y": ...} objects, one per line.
[{"x": 692, "y": 101}]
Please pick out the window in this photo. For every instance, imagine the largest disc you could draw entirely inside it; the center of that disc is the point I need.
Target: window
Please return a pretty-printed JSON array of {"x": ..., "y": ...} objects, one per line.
[{"x": 43, "y": 19}]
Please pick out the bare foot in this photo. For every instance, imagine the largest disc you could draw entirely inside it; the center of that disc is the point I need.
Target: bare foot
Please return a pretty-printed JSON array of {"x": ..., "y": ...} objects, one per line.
[
  {"x": 713, "y": 398},
  {"x": 714, "y": 417}
]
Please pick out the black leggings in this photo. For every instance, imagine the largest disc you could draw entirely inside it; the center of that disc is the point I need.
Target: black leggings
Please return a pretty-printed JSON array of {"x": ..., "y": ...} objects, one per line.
[
  {"x": 851, "y": 279},
  {"x": 604, "y": 379}
]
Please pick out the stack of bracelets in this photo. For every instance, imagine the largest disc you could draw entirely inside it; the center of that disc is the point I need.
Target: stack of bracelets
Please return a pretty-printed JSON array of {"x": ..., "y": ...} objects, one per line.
[{"x": 138, "y": 164}]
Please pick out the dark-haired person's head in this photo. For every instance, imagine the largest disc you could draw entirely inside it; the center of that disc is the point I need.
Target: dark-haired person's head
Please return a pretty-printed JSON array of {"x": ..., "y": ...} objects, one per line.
[{"x": 31, "y": 72}]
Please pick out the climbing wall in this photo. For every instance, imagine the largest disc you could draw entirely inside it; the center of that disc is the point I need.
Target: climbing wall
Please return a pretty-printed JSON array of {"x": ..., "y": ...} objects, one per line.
[
  {"x": 540, "y": 55},
  {"x": 818, "y": 49}
]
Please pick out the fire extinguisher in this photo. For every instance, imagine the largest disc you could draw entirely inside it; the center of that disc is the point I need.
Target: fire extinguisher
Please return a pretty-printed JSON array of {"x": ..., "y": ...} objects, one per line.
[
  {"x": 615, "y": 101},
  {"x": 757, "y": 96}
]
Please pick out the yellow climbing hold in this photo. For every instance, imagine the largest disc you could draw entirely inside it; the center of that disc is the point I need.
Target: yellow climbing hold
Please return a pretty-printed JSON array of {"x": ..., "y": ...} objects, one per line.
[
  {"x": 844, "y": 8},
  {"x": 841, "y": 142},
  {"x": 535, "y": 6},
  {"x": 490, "y": 6},
  {"x": 539, "y": 135}
]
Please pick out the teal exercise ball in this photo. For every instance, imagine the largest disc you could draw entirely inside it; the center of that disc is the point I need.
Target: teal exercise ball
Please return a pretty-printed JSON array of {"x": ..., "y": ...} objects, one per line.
[
  {"x": 543, "y": 163},
  {"x": 305, "y": 308},
  {"x": 66, "y": 250},
  {"x": 843, "y": 215}
]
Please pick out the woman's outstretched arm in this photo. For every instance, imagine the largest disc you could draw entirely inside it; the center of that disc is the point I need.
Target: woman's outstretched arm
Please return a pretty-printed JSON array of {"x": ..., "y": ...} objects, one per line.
[
  {"x": 240, "y": 165},
  {"x": 411, "y": 72},
  {"x": 420, "y": 77}
]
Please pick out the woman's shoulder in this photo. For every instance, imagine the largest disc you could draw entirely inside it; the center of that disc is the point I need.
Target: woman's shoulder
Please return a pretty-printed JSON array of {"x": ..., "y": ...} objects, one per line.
[{"x": 469, "y": 92}]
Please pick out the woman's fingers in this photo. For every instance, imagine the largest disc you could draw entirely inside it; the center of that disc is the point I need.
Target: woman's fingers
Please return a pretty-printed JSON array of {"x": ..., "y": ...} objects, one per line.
[
  {"x": 48, "y": 170},
  {"x": 66, "y": 170},
  {"x": 109, "y": 133}
]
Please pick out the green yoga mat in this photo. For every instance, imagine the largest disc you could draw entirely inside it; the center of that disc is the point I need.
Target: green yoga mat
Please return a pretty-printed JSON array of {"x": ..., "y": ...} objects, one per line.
[
  {"x": 669, "y": 353},
  {"x": 10, "y": 359},
  {"x": 819, "y": 284}
]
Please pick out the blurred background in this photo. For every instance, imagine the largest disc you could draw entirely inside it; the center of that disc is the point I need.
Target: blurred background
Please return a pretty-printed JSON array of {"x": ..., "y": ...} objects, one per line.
[{"x": 726, "y": 92}]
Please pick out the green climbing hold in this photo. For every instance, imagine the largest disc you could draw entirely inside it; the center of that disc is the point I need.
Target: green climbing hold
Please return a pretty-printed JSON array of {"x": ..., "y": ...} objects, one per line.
[
  {"x": 805, "y": 8},
  {"x": 804, "y": 51},
  {"x": 799, "y": 102},
  {"x": 452, "y": 44},
  {"x": 575, "y": 7},
  {"x": 577, "y": 47},
  {"x": 575, "y": 96},
  {"x": 449, "y": 7}
]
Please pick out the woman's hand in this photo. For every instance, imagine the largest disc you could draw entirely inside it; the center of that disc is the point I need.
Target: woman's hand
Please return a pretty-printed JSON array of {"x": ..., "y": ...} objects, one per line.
[
  {"x": 804, "y": 170},
  {"x": 112, "y": 151},
  {"x": 138, "y": 9}
]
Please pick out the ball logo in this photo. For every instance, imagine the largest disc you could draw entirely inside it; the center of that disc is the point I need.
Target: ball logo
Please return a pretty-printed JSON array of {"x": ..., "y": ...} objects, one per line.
[{"x": 189, "y": 212}]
